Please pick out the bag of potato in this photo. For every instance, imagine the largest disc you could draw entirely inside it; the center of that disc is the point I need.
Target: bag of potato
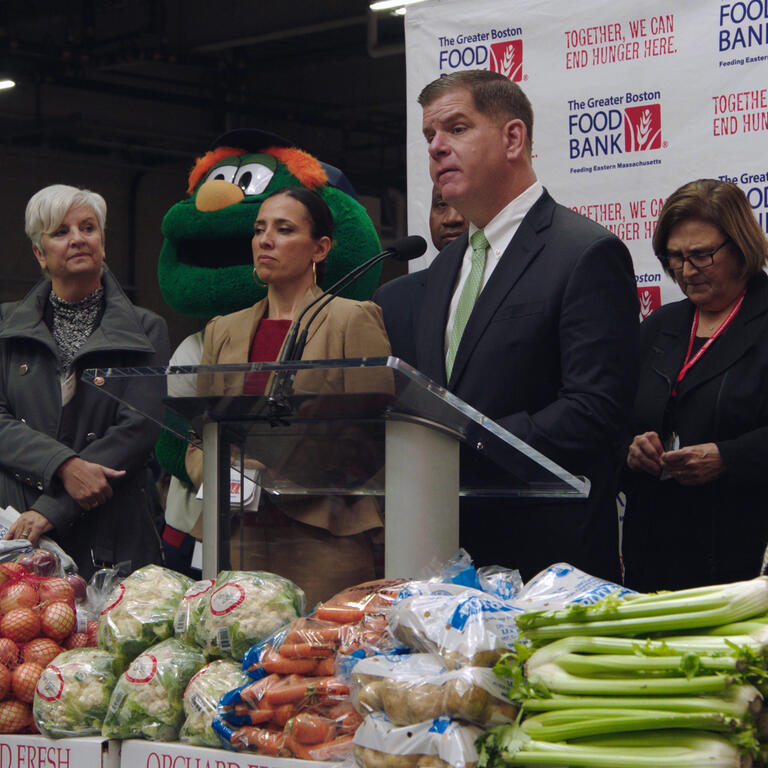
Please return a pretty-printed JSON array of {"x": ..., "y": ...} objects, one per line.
[
  {"x": 413, "y": 688},
  {"x": 464, "y": 626},
  {"x": 440, "y": 743}
]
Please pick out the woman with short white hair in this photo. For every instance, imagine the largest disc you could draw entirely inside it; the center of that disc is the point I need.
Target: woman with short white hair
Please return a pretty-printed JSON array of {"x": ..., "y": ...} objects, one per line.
[{"x": 73, "y": 461}]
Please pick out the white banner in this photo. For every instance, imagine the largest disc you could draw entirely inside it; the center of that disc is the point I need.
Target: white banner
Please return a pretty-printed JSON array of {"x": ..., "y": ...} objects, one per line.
[{"x": 630, "y": 100}]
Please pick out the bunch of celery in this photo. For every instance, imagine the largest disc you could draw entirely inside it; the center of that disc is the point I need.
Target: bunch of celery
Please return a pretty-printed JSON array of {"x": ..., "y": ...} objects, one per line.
[{"x": 671, "y": 680}]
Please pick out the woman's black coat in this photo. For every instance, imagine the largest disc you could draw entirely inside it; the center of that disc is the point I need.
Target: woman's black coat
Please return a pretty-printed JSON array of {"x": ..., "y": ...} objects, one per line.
[{"x": 677, "y": 536}]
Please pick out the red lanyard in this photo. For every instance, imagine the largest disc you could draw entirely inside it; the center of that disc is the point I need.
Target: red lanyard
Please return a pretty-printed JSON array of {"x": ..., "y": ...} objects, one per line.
[{"x": 689, "y": 362}]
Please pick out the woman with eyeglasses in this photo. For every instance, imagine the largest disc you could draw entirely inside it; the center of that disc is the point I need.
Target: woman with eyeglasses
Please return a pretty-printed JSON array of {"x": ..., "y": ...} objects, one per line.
[{"x": 697, "y": 464}]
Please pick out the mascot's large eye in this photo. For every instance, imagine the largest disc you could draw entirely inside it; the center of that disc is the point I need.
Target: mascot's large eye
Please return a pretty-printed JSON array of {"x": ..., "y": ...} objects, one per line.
[
  {"x": 224, "y": 172},
  {"x": 253, "y": 178}
]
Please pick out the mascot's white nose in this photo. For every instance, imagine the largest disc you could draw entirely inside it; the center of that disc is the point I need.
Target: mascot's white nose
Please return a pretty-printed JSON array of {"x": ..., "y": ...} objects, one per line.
[{"x": 216, "y": 194}]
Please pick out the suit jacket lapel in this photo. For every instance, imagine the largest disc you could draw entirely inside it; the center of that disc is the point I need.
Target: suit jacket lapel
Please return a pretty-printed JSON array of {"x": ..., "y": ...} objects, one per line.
[
  {"x": 312, "y": 329},
  {"x": 433, "y": 314},
  {"x": 671, "y": 345},
  {"x": 238, "y": 346},
  {"x": 530, "y": 238}
]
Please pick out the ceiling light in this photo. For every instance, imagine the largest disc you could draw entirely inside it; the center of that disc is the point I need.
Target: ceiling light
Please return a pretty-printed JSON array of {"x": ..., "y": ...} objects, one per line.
[
  {"x": 387, "y": 5},
  {"x": 4, "y": 84}
]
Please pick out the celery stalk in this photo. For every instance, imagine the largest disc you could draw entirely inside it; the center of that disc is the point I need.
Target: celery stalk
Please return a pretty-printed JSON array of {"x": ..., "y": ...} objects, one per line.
[
  {"x": 681, "y": 610},
  {"x": 509, "y": 745},
  {"x": 553, "y": 678},
  {"x": 574, "y": 724},
  {"x": 757, "y": 627},
  {"x": 739, "y": 701},
  {"x": 617, "y": 665}
]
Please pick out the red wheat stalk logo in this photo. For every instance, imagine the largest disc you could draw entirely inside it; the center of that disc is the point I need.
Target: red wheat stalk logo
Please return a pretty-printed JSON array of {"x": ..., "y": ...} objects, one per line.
[{"x": 642, "y": 128}]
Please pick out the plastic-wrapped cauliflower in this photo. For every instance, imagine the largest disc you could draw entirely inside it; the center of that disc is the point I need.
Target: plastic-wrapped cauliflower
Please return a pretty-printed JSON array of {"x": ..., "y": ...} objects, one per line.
[
  {"x": 146, "y": 702},
  {"x": 140, "y": 612},
  {"x": 202, "y": 697},
  {"x": 73, "y": 693},
  {"x": 190, "y": 607},
  {"x": 243, "y": 608}
]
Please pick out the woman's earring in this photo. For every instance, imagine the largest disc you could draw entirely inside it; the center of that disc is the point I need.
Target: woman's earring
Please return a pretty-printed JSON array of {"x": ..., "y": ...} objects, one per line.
[
  {"x": 314, "y": 271},
  {"x": 256, "y": 279}
]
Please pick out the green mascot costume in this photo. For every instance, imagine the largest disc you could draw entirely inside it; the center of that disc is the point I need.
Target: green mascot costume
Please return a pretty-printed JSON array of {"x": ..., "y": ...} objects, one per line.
[{"x": 206, "y": 263}]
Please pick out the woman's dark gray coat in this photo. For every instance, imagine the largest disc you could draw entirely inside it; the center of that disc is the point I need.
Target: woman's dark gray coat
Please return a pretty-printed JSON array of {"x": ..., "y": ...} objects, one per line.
[{"x": 104, "y": 431}]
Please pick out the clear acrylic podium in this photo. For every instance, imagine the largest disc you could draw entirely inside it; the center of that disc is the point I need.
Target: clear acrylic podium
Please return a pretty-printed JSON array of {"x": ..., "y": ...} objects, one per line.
[{"x": 343, "y": 428}]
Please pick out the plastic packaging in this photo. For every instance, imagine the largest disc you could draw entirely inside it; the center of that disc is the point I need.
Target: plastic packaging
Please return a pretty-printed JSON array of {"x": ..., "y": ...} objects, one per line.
[
  {"x": 464, "y": 626},
  {"x": 351, "y": 605},
  {"x": 147, "y": 700},
  {"x": 561, "y": 584},
  {"x": 440, "y": 743},
  {"x": 140, "y": 612},
  {"x": 201, "y": 699},
  {"x": 73, "y": 693},
  {"x": 501, "y": 582},
  {"x": 38, "y": 561},
  {"x": 190, "y": 609},
  {"x": 243, "y": 608},
  {"x": 413, "y": 688},
  {"x": 309, "y": 646},
  {"x": 306, "y": 717}
]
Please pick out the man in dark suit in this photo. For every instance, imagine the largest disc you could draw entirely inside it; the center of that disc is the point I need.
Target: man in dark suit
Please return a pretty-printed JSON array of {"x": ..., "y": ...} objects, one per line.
[
  {"x": 400, "y": 298},
  {"x": 533, "y": 321}
]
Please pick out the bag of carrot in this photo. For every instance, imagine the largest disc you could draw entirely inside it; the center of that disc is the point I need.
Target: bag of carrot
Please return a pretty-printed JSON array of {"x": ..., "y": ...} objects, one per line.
[
  {"x": 299, "y": 702},
  {"x": 289, "y": 715}
]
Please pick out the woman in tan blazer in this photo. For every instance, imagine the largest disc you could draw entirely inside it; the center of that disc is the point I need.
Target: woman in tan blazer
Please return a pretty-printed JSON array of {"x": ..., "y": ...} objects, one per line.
[{"x": 322, "y": 544}]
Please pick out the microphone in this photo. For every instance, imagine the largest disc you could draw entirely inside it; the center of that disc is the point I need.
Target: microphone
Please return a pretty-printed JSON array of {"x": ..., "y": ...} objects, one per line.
[{"x": 405, "y": 249}]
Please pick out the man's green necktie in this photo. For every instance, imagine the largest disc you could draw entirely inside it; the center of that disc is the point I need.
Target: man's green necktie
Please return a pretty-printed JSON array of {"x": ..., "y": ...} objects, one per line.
[{"x": 468, "y": 296}]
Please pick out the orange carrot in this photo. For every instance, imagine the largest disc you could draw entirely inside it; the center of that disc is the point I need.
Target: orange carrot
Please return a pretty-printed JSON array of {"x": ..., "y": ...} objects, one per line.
[
  {"x": 259, "y": 716},
  {"x": 329, "y": 687},
  {"x": 325, "y": 667},
  {"x": 340, "y": 614},
  {"x": 282, "y": 714},
  {"x": 275, "y": 663},
  {"x": 296, "y": 748},
  {"x": 353, "y": 603},
  {"x": 254, "y": 693},
  {"x": 344, "y": 715},
  {"x": 307, "y": 630},
  {"x": 312, "y": 729},
  {"x": 264, "y": 741},
  {"x": 337, "y": 749},
  {"x": 306, "y": 651},
  {"x": 289, "y": 690}
]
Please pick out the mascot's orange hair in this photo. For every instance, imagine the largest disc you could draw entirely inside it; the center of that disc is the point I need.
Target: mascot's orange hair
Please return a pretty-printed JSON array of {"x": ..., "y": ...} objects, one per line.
[{"x": 301, "y": 164}]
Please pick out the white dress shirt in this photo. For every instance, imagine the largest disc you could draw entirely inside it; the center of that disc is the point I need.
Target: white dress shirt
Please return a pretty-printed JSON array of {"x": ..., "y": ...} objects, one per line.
[{"x": 499, "y": 232}]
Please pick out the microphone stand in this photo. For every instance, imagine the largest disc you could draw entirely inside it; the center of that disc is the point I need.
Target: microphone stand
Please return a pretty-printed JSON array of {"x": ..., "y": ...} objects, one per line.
[{"x": 282, "y": 383}]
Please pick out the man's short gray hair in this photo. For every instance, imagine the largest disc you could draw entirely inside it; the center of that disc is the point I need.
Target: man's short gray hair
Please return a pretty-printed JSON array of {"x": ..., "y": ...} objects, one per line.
[{"x": 47, "y": 208}]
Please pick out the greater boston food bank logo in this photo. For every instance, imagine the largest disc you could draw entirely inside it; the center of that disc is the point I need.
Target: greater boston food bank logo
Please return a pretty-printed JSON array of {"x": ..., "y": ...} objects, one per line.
[
  {"x": 642, "y": 128},
  {"x": 507, "y": 59},
  {"x": 500, "y": 50},
  {"x": 609, "y": 126}
]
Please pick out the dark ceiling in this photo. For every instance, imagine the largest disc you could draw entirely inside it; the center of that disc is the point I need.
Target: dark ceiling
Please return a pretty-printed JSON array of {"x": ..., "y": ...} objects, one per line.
[{"x": 151, "y": 83}]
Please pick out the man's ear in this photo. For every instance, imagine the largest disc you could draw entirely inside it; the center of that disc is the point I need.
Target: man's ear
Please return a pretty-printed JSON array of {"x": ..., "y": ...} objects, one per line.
[
  {"x": 516, "y": 138},
  {"x": 40, "y": 256}
]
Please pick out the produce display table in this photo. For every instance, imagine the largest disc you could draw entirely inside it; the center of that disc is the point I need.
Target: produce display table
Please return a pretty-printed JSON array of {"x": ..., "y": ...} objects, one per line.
[
  {"x": 158, "y": 754},
  {"x": 38, "y": 752},
  {"x": 341, "y": 428}
]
